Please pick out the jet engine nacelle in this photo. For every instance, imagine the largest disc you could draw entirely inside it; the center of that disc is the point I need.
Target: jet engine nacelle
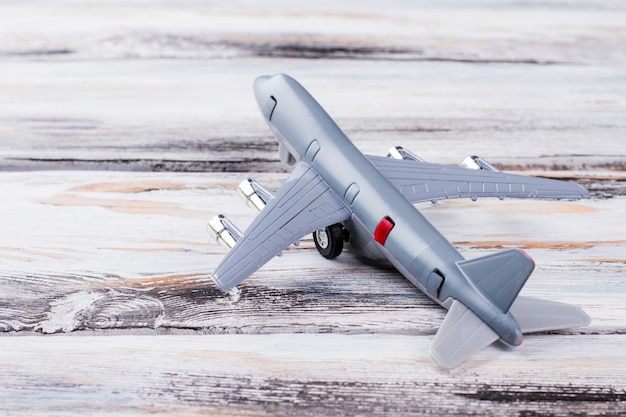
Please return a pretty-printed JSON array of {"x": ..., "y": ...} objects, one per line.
[
  {"x": 225, "y": 231},
  {"x": 476, "y": 162},
  {"x": 398, "y": 152},
  {"x": 254, "y": 194}
]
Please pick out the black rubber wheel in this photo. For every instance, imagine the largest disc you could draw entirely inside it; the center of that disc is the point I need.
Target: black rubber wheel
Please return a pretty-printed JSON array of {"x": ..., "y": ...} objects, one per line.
[{"x": 329, "y": 241}]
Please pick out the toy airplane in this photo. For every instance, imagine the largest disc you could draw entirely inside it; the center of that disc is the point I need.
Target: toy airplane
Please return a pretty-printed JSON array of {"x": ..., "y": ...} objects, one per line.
[{"x": 343, "y": 196}]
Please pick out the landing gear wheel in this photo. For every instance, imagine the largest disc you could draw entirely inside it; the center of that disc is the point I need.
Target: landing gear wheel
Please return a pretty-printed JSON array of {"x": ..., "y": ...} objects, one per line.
[{"x": 329, "y": 241}]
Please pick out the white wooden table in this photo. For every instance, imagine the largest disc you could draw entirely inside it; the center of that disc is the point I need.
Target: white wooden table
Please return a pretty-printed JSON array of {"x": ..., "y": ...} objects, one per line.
[{"x": 125, "y": 126}]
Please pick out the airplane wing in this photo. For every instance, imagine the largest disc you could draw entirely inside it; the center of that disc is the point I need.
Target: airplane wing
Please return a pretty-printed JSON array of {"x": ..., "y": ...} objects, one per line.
[
  {"x": 303, "y": 204},
  {"x": 422, "y": 181}
]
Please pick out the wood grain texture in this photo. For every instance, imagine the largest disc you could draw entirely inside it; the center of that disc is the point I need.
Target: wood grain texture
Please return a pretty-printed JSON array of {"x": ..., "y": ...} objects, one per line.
[
  {"x": 304, "y": 374},
  {"x": 126, "y": 126},
  {"x": 304, "y": 335}
]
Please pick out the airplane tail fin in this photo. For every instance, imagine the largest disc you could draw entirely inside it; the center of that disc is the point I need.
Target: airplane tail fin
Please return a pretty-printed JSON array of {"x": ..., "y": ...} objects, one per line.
[
  {"x": 463, "y": 333},
  {"x": 499, "y": 277}
]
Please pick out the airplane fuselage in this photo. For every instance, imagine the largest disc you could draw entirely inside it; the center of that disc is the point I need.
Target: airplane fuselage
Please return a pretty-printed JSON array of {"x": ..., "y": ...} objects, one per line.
[{"x": 383, "y": 222}]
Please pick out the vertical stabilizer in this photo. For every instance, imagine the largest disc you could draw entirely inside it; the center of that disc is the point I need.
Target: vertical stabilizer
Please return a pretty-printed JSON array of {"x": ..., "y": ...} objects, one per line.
[{"x": 499, "y": 276}]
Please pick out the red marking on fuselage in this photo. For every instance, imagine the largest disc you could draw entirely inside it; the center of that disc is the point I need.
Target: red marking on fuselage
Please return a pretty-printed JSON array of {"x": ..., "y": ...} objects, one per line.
[{"x": 383, "y": 229}]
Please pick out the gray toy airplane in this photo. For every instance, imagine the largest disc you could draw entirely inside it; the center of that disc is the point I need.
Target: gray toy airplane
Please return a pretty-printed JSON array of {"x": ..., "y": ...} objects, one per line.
[{"x": 343, "y": 196}]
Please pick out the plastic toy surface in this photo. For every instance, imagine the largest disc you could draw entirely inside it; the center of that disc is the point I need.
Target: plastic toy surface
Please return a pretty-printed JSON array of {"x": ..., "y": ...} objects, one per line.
[{"x": 341, "y": 195}]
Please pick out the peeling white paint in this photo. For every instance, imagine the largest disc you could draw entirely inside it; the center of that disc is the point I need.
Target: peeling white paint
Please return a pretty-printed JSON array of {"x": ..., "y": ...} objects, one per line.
[{"x": 63, "y": 313}]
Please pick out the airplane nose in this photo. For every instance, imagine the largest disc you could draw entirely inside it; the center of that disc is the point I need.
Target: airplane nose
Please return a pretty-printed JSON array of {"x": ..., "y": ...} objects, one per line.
[
  {"x": 260, "y": 84},
  {"x": 266, "y": 85},
  {"x": 261, "y": 90},
  {"x": 260, "y": 81},
  {"x": 263, "y": 93}
]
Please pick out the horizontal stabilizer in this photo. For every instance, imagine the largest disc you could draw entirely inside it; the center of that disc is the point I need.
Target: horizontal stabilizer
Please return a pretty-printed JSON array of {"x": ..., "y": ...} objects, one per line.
[
  {"x": 461, "y": 335},
  {"x": 537, "y": 315},
  {"x": 499, "y": 276}
]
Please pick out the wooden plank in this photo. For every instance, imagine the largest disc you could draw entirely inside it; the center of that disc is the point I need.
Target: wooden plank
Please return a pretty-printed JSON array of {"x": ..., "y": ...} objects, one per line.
[
  {"x": 305, "y": 374},
  {"x": 123, "y": 259},
  {"x": 132, "y": 88},
  {"x": 130, "y": 251}
]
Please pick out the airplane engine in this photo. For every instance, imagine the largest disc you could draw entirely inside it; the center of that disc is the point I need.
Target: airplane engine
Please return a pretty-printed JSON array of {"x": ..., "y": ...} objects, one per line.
[
  {"x": 476, "y": 162},
  {"x": 254, "y": 194},
  {"x": 225, "y": 231},
  {"x": 398, "y": 152}
]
